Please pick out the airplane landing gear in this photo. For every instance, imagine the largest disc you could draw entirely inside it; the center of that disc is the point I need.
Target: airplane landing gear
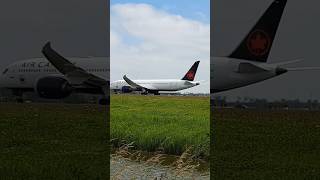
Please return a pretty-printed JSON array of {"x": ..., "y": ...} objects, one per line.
[
  {"x": 19, "y": 96},
  {"x": 19, "y": 100}
]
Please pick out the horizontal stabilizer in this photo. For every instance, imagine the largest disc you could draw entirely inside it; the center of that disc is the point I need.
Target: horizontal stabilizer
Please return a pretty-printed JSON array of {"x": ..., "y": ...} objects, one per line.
[
  {"x": 303, "y": 68},
  {"x": 249, "y": 68},
  {"x": 287, "y": 62}
]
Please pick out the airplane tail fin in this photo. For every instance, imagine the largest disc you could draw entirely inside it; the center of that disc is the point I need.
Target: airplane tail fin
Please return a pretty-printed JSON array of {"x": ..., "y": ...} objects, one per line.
[
  {"x": 192, "y": 72},
  {"x": 257, "y": 44}
]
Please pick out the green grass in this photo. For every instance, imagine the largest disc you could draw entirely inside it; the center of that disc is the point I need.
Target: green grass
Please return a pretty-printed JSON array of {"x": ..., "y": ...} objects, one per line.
[
  {"x": 265, "y": 145},
  {"x": 53, "y": 141},
  {"x": 160, "y": 122}
]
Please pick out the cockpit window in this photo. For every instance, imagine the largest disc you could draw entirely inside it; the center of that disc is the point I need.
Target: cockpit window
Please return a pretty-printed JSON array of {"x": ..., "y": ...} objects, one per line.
[{"x": 5, "y": 71}]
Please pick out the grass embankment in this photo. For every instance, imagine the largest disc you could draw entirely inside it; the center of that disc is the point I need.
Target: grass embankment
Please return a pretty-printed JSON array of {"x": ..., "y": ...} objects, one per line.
[
  {"x": 53, "y": 141},
  {"x": 265, "y": 145},
  {"x": 166, "y": 123}
]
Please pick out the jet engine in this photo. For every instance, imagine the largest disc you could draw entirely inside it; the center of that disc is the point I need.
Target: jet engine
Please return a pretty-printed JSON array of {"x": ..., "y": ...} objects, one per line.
[
  {"x": 126, "y": 89},
  {"x": 53, "y": 87}
]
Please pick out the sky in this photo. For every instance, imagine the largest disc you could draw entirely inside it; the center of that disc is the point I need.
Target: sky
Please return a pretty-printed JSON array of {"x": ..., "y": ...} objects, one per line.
[
  {"x": 74, "y": 28},
  {"x": 164, "y": 50},
  {"x": 160, "y": 40},
  {"x": 297, "y": 37}
]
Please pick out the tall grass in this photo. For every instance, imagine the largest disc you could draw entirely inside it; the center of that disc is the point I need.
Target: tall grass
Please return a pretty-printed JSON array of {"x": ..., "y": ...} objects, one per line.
[
  {"x": 252, "y": 144},
  {"x": 53, "y": 141},
  {"x": 161, "y": 123}
]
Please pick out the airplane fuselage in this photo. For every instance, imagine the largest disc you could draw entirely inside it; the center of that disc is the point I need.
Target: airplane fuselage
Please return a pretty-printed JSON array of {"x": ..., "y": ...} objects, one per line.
[
  {"x": 225, "y": 73},
  {"x": 159, "y": 84},
  {"x": 25, "y": 74}
]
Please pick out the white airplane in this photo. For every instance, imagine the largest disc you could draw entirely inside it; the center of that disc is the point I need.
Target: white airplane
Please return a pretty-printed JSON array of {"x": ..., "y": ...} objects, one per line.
[
  {"x": 154, "y": 86},
  {"x": 247, "y": 64},
  {"x": 55, "y": 77}
]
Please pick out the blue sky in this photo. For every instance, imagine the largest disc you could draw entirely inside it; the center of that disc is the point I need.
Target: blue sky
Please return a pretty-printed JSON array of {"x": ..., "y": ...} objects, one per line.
[
  {"x": 147, "y": 37},
  {"x": 192, "y": 9}
]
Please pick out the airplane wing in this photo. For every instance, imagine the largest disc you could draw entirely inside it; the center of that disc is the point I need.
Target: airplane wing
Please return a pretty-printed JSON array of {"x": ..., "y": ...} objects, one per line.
[
  {"x": 135, "y": 85},
  {"x": 245, "y": 67},
  {"x": 74, "y": 74}
]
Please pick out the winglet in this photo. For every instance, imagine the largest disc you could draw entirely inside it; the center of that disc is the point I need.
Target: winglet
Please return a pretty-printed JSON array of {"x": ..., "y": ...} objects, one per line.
[{"x": 47, "y": 46}]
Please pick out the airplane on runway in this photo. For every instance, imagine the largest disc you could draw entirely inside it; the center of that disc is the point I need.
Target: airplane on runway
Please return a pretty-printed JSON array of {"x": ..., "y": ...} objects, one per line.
[
  {"x": 247, "y": 64},
  {"x": 155, "y": 85},
  {"x": 55, "y": 77}
]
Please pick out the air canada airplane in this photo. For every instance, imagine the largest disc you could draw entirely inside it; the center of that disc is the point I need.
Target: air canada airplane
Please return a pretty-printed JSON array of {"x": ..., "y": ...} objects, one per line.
[
  {"x": 154, "y": 86},
  {"x": 56, "y": 77},
  {"x": 247, "y": 64}
]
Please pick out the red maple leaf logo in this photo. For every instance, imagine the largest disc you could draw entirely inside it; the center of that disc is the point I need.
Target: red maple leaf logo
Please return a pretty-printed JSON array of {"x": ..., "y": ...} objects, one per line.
[
  {"x": 258, "y": 43},
  {"x": 190, "y": 75}
]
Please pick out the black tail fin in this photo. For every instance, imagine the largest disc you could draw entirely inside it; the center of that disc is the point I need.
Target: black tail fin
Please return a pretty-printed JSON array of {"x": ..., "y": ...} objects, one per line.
[
  {"x": 192, "y": 72},
  {"x": 257, "y": 44}
]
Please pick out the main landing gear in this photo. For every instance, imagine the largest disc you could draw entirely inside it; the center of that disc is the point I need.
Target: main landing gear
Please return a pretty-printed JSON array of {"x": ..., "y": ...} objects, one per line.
[{"x": 19, "y": 96}]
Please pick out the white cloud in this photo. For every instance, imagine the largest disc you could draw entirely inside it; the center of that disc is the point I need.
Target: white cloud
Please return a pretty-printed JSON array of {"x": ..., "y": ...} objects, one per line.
[{"x": 151, "y": 43}]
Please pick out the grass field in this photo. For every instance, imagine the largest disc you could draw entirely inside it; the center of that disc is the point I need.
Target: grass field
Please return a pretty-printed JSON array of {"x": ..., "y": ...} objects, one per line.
[
  {"x": 265, "y": 145},
  {"x": 166, "y": 123},
  {"x": 53, "y": 141}
]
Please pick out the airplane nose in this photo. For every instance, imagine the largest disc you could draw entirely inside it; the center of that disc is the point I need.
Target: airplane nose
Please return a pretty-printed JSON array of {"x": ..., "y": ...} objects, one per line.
[{"x": 280, "y": 71}]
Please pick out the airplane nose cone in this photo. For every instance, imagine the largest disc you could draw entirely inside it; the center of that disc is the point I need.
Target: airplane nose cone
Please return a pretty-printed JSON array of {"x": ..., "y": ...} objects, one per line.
[{"x": 280, "y": 71}]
